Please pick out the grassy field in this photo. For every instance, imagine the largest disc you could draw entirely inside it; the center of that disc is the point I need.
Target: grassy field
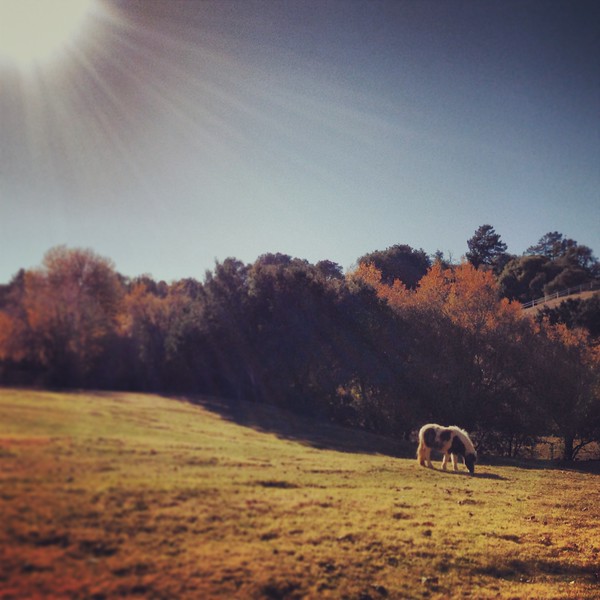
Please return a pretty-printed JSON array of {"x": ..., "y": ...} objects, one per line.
[{"x": 125, "y": 495}]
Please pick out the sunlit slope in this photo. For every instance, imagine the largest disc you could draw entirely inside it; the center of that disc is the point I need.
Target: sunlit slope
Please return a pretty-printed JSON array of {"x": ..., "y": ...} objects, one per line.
[
  {"x": 554, "y": 302},
  {"x": 138, "y": 495}
]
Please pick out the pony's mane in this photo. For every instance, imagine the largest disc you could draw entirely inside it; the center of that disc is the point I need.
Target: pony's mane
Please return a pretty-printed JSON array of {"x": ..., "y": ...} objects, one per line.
[{"x": 464, "y": 436}]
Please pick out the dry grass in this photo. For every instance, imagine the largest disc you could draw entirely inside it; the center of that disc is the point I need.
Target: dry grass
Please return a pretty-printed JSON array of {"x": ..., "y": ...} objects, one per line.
[
  {"x": 124, "y": 495},
  {"x": 554, "y": 302}
]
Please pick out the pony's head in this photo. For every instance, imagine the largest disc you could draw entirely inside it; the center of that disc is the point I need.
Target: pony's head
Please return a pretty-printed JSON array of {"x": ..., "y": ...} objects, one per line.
[{"x": 470, "y": 460}]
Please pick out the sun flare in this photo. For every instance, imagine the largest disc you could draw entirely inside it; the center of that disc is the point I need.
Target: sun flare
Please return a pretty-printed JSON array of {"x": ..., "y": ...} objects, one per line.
[{"x": 35, "y": 31}]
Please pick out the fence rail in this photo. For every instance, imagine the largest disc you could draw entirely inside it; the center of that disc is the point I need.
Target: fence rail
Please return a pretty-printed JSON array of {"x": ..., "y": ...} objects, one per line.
[{"x": 585, "y": 287}]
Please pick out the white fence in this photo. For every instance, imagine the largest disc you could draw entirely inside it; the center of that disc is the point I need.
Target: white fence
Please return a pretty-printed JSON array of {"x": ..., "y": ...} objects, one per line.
[{"x": 586, "y": 287}]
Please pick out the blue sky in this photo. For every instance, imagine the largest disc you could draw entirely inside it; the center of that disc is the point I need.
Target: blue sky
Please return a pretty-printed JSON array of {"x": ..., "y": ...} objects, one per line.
[{"x": 169, "y": 135}]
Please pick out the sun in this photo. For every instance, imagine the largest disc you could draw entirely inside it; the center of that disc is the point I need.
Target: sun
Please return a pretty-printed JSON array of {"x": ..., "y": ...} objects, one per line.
[{"x": 36, "y": 31}]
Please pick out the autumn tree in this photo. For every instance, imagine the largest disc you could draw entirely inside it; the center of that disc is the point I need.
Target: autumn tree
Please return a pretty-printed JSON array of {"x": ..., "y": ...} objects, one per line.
[
  {"x": 463, "y": 345},
  {"x": 143, "y": 329},
  {"x": 69, "y": 311},
  {"x": 160, "y": 337},
  {"x": 15, "y": 337}
]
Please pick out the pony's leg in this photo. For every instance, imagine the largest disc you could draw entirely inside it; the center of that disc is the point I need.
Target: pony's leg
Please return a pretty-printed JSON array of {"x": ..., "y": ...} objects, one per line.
[
  {"x": 445, "y": 461},
  {"x": 455, "y": 462},
  {"x": 422, "y": 454}
]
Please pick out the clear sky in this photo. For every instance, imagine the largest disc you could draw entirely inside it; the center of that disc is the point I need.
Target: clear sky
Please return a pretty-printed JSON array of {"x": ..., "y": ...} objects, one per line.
[{"x": 168, "y": 134}]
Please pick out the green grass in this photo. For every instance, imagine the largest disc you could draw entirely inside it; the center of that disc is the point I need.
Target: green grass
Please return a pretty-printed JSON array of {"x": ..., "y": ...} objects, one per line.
[{"x": 125, "y": 495}]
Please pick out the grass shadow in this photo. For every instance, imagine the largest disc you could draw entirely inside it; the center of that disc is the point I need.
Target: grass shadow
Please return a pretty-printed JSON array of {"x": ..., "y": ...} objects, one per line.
[
  {"x": 517, "y": 568},
  {"x": 584, "y": 466},
  {"x": 311, "y": 432}
]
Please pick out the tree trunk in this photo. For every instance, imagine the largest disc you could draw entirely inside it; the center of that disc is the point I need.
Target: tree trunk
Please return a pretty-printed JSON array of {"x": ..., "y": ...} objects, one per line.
[{"x": 569, "y": 442}]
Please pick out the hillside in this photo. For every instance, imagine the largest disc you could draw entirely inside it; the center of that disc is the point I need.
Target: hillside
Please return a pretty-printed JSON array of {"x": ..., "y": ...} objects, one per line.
[
  {"x": 130, "y": 495},
  {"x": 553, "y": 302}
]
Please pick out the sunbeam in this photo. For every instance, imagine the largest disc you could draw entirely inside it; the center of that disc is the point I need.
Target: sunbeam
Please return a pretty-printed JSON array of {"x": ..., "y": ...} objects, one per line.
[
  {"x": 33, "y": 32},
  {"x": 127, "y": 96}
]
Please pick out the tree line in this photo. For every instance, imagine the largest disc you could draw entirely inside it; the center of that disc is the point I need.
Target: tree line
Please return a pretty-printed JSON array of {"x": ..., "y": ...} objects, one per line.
[{"x": 402, "y": 338}]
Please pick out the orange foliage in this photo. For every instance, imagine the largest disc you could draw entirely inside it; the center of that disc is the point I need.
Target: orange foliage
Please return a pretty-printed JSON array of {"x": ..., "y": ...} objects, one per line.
[
  {"x": 369, "y": 274},
  {"x": 141, "y": 305},
  {"x": 68, "y": 307},
  {"x": 575, "y": 340},
  {"x": 474, "y": 301},
  {"x": 434, "y": 288},
  {"x": 469, "y": 297},
  {"x": 8, "y": 333},
  {"x": 143, "y": 308}
]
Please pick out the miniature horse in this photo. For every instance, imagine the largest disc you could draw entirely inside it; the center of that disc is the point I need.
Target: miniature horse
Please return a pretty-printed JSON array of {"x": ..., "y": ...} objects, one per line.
[{"x": 450, "y": 441}]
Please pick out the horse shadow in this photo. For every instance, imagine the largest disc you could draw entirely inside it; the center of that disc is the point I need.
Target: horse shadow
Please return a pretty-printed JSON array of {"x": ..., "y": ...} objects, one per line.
[
  {"x": 476, "y": 475},
  {"x": 493, "y": 476}
]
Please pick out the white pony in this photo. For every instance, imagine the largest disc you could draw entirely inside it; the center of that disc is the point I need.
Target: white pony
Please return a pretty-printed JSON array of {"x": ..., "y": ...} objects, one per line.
[{"x": 450, "y": 441}]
